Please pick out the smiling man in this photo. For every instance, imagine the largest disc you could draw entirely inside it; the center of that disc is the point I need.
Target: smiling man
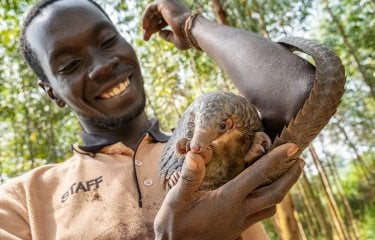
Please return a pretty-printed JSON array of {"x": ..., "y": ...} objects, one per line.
[
  {"x": 89, "y": 67},
  {"x": 110, "y": 188}
]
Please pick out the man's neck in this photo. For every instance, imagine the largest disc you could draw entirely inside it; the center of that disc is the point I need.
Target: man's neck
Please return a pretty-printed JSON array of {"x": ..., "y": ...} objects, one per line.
[{"x": 130, "y": 134}]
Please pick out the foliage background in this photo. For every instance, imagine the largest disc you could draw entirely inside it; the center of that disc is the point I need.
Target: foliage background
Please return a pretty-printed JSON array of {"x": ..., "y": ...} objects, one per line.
[{"x": 33, "y": 131}]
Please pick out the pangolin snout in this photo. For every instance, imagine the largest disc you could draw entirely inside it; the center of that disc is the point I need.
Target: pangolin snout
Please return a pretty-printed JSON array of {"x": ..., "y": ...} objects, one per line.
[
  {"x": 196, "y": 148},
  {"x": 202, "y": 139}
]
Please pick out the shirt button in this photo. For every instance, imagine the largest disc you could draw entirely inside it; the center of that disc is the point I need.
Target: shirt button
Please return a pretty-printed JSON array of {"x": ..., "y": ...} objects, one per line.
[
  {"x": 148, "y": 182},
  {"x": 138, "y": 163}
]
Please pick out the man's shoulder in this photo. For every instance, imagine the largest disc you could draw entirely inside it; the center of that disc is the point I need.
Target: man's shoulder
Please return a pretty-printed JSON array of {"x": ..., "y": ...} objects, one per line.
[{"x": 45, "y": 173}]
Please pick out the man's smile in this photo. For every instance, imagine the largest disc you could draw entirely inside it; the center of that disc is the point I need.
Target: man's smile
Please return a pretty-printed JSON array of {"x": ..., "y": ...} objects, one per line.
[{"x": 115, "y": 91}]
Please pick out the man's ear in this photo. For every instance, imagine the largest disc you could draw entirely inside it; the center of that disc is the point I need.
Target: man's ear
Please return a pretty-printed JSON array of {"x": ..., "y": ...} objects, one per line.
[{"x": 51, "y": 94}]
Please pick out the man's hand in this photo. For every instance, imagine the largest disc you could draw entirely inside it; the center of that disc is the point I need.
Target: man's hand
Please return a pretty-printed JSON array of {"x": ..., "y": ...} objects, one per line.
[
  {"x": 164, "y": 13},
  {"x": 226, "y": 212}
]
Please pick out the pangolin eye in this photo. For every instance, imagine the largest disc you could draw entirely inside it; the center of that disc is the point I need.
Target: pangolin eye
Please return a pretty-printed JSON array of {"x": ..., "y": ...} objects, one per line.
[{"x": 223, "y": 126}]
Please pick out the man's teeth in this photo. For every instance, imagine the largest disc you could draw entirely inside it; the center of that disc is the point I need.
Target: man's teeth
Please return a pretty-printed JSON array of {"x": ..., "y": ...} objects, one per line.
[{"x": 116, "y": 90}]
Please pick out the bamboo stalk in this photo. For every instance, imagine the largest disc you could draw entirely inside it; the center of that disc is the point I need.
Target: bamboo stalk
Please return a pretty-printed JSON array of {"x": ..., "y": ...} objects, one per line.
[
  {"x": 332, "y": 205},
  {"x": 352, "y": 226},
  {"x": 318, "y": 209},
  {"x": 285, "y": 221},
  {"x": 350, "y": 49},
  {"x": 221, "y": 15}
]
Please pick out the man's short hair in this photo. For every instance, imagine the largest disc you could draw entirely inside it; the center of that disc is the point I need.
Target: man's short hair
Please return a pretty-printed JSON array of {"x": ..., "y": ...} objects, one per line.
[{"x": 26, "y": 50}]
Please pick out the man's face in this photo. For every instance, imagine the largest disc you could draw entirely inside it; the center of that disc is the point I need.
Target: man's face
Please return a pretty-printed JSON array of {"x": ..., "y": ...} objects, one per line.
[{"x": 89, "y": 65}]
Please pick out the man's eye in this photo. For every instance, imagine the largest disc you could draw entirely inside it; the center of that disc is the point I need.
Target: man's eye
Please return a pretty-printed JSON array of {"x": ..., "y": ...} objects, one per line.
[
  {"x": 109, "y": 42},
  {"x": 69, "y": 67}
]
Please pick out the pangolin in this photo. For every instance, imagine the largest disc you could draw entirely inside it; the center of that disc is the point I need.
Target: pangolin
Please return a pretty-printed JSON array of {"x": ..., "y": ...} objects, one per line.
[
  {"x": 201, "y": 124},
  {"x": 223, "y": 121}
]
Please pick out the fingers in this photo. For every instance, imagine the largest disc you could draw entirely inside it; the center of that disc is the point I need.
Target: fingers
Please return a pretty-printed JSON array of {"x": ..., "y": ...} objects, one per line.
[
  {"x": 270, "y": 195},
  {"x": 263, "y": 171},
  {"x": 167, "y": 35},
  {"x": 191, "y": 175},
  {"x": 152, "y": 22},
  {"x": 261, "y": 215}
]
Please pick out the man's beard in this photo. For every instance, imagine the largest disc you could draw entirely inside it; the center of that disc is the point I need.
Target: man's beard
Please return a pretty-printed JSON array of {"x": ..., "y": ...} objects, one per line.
[{"x": 118, "y": 122}]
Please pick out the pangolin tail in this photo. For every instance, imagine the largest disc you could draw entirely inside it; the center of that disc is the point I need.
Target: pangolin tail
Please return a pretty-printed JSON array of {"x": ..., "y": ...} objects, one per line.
[{"x": 324, "y": 98}]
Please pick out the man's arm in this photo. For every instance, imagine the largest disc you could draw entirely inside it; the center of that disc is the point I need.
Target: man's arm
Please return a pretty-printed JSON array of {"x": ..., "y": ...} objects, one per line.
[
  {"x": 13, "y": 214},
  {"x": 276, "y": 80},
  {"x": 257, "y": 66}
]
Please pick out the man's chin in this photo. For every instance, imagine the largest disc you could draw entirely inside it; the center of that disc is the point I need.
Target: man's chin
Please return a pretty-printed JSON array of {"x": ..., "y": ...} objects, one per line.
[{"x": 107, "y": 122}]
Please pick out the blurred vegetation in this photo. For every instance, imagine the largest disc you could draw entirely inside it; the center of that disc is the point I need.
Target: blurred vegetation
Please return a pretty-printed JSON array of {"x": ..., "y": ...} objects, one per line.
[{"x": 33, "y": 131}]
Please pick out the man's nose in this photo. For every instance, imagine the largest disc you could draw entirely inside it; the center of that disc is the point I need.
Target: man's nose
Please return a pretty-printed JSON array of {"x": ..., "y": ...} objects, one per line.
[{"x": 103, "y": 67}]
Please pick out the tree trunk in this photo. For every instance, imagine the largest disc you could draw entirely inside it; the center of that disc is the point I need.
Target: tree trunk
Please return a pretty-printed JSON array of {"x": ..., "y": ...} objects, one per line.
[
  {"x": 261, "y": 20},
  {"x": 29, "y": 144},
  {"x": 52, "y": 156},
  {"x": 308, "y": 216},
  {"x": 352, "y": 226},
  {"x": 359, "y": 161},
  {"x": 17, "y": 150},
  {"x": 332, "y": 205},
  {"x": 318, "y": 208},
  {"x": 366, "y": 77},
  {"x": 285, "y": 221},
  {"x": 221, "y": 15}
]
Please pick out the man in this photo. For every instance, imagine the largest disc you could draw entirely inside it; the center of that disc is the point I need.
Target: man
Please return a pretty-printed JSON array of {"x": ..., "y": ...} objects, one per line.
[{"x": 110, "y": 188}]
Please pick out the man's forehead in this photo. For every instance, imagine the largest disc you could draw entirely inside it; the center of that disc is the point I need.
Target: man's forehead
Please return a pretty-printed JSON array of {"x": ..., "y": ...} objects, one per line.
[
  {"x": 63, "y": 17},
  {"x": 60, "y": 12},
  {"x": 72, "y": 4}
]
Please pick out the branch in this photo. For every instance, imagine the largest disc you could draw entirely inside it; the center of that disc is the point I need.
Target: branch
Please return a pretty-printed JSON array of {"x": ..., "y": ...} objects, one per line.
[{"x": 221, "y": 15}]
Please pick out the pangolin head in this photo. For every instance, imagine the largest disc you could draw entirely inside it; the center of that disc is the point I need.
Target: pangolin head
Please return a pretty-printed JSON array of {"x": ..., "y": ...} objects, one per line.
[{"x": 220, "y": 113}]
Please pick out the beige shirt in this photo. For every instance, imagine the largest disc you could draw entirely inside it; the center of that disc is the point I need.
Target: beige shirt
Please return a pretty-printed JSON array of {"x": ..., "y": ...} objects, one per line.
[{"x": 89, "y": 197}]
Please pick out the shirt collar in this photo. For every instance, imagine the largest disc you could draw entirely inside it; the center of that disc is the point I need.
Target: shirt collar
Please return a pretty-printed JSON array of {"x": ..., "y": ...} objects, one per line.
[{"x": 94, "y": 142}]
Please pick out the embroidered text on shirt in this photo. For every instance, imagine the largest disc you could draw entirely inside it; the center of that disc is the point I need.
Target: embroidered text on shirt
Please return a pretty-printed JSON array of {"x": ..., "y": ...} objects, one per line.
[{"x": 82, "y": 186}]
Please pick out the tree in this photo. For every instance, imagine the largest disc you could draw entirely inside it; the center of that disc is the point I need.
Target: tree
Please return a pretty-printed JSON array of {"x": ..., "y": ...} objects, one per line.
[{"x": 33, "y": 131}]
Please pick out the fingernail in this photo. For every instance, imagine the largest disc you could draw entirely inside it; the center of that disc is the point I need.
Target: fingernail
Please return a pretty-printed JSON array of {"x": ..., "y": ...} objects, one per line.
[
  {"x": 191, "y": 164},
  {"x": 292, "y": 150}
]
